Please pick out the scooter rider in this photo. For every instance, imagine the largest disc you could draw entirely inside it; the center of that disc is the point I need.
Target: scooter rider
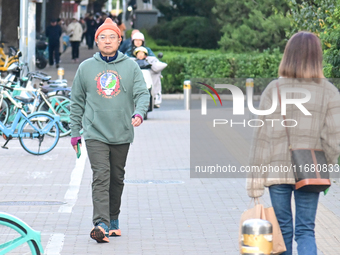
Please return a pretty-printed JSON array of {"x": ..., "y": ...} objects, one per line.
[{"x": 138, "y": 40}]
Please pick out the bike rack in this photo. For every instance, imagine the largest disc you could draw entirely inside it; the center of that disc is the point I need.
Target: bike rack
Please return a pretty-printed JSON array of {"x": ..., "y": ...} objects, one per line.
[{"x": 28, "y": 235}]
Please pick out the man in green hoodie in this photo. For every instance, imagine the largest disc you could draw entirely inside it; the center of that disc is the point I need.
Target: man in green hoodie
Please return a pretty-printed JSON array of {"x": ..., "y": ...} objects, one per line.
[{"x": 109, "y": 98}]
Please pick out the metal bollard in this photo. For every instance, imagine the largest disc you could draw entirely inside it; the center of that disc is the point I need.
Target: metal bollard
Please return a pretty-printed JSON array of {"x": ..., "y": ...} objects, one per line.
[
  {"x": 250, "y": 87},
  {"x": 61, "y": 73},
  {"x": 257, "y": 237},
  {"x": 187, "y": 94},
  {"x": 250, "y": 84}
]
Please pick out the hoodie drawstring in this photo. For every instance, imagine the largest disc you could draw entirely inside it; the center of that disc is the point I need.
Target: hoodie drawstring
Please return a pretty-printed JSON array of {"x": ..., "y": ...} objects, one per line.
[{"x": 120, "y": 81}]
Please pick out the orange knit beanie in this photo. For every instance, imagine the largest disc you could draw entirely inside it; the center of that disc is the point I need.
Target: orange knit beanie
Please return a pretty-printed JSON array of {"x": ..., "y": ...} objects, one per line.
[{"x": 108, "y": 24}]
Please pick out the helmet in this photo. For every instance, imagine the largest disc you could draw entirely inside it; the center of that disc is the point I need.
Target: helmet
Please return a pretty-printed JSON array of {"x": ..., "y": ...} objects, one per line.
[
  {"x": 140, "y": 49},
  {"x": 138, "y": 36}
]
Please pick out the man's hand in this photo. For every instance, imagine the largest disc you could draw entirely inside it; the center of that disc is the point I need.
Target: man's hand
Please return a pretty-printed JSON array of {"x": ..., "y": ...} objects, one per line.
[
  {"x": 136, "y": 121},
  {"x": 75, "y": 141}
]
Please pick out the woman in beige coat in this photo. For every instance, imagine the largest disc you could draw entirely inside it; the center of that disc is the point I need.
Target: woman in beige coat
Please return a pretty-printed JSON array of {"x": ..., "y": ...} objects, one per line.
[
  {"x": 301, "y": 67},
  {"x": 75, "y": 31}
]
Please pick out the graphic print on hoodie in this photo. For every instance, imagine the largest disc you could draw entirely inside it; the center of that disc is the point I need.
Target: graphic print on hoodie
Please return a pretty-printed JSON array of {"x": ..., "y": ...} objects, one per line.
[{"x": 108, "y": 84}]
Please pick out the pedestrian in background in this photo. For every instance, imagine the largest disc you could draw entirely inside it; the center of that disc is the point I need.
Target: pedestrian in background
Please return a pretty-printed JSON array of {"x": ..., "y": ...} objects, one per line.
[
  {"x": 118, "y": 19},
  {"x": 109, "y": 98},
  {"x": 301, "y": 67},
  {"x": 147, "y": 5},
  {"x": 62, "y": 44},
  {"x": 101, "y": 19},
  {"x": 84, "y": 27},
  {"x": 91, "y": 30},
  {"x": 86, "y": 19},
  {"x": 53, "y": 33},
  {"x": 75, "y": 32}
]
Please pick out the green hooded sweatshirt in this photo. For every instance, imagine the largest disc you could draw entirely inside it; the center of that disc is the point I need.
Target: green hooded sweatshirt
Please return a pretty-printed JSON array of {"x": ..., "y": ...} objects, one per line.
[{"x": 105, "y": 97}]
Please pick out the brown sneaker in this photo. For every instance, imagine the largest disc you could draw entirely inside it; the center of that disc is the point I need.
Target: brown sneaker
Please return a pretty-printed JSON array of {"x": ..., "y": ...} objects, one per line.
[{"x": 98, "y": 234}]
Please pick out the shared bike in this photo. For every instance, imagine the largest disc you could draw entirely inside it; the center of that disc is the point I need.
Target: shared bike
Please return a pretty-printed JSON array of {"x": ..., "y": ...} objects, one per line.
[{"x": 38, "y": 132}]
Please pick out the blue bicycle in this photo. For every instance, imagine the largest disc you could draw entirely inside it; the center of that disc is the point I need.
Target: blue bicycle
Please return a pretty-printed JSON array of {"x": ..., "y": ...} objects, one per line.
[{"x": 32, "y": 130}]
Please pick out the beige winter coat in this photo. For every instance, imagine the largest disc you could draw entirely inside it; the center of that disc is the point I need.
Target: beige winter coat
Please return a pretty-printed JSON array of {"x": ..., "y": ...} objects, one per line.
[
  {"x": 321, "y": 130},
  {"x": 76, "y": 30}
]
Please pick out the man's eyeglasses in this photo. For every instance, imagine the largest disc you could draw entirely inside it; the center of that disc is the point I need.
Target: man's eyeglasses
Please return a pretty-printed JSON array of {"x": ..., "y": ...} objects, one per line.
[{"x": 102, "y": 38}]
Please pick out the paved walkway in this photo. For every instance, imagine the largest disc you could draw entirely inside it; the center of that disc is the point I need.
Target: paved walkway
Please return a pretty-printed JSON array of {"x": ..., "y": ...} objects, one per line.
[{"x": 163, "y": 211}]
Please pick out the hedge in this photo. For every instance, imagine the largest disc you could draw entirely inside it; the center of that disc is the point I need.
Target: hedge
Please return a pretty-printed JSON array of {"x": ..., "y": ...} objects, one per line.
[{"x": 215, "y": 64}]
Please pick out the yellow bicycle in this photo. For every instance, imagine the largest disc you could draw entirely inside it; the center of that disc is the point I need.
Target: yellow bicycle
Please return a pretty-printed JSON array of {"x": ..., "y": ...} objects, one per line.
[{"x": 6, "y": 60}]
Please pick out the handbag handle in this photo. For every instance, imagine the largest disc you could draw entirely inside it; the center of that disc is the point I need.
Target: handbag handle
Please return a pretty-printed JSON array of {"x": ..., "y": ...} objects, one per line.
[{"x": 255, "y": 200}]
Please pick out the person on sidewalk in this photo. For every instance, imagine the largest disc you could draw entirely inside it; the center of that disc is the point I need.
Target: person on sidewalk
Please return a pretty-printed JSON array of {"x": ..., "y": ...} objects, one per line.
[
  {"x": 61, "y": 23},
  {"x": 91, "y": 25},
  {"x": 84, "y": 27},
  {"x": 121, "y": 25},
  {"x": 109, "y": 98},
  {"x": 300, "y": 68},
  {"x": 75, "y": 31},
  {"x": 147, "y": 5},
  {"x": 53, "y": 33}
]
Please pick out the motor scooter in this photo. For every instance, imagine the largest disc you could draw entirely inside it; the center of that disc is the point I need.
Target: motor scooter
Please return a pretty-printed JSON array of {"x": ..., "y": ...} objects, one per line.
[
  {"x": 41, "y": 54},
  {"x": 151, "y": 68},
  {"x": 145, "y": 68}
]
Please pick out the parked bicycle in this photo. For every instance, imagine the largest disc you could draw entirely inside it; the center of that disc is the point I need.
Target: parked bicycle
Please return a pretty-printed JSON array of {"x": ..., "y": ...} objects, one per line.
[
  {"x": 32, "y": 130},
  {"x": 36, "y": 100},
  {"x": 8, "y": 59},
  {"x": 16, "y": 233}
]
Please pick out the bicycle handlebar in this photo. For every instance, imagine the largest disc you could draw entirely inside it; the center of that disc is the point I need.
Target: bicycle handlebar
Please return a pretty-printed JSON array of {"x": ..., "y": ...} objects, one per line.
[
  {"x": 39, "y": 76},
  {"x": 6, "y": 87}
]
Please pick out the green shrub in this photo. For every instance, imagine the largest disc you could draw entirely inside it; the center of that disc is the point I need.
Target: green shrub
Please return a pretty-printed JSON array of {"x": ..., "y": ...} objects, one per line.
[{"x": 215, "y": 64}]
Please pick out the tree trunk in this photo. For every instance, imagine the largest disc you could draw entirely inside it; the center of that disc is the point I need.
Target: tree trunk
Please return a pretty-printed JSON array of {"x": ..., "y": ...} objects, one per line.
[
  {"x": 10, "y": 18},
  {"x": 53, "y": 10}
]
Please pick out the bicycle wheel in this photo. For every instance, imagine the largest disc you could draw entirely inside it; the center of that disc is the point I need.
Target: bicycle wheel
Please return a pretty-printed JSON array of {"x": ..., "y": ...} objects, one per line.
[
  {"x": 17, "y": 237},
  {"x": 62, "y": 106},
  {"x": 4, "y": 111},
  {"x": 33, "y": 134}
]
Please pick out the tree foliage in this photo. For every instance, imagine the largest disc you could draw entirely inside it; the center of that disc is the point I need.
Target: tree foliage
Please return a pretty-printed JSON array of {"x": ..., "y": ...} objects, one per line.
[
  {"x": 187, "y": 31},
  {"x": 189, "y": 23},
  {"x": 252, "y": 24},
  {"x": 176, "y": 8},
  {"x": 321, "y": 17}
]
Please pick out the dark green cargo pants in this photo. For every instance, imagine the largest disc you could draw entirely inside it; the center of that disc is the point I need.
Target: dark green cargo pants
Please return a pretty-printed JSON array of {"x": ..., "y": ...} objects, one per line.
[{"x": 107, "y": 163}]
